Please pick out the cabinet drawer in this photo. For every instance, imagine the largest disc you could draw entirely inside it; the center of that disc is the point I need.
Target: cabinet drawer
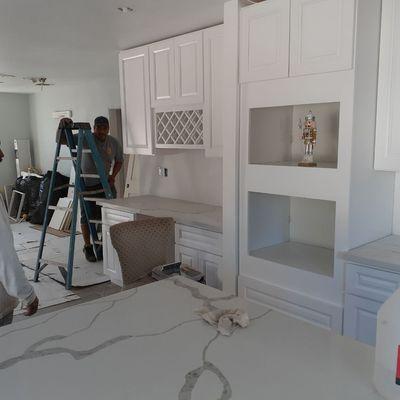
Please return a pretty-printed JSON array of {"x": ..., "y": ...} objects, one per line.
[
  {"x": 371, "y": 283},
  {"x": 113, "y": 217},
  {"x": 360, "y": 319},
  {"x": 198, "y": 239}
]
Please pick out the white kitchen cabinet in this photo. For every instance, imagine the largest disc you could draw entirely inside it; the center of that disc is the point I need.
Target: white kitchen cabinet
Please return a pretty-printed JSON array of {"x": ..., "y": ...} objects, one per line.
[
  {"x": 387, "y": 143},
  {"x": 367, "y": 289},
  {"x": 264, "y": 41},
  {"x": 188, "y": 51},
  {"x": 213, "y": 78},
  {"x": 211, "y": 265},
  {"x": 111, "y": 265},
  {"x": 135, "y": 101},
  {"x": 360, "y": 319},
  {"x": 321, "y": 36},
  {"x": 162, "y": 73},
  {"x": 188, "y": 256}
]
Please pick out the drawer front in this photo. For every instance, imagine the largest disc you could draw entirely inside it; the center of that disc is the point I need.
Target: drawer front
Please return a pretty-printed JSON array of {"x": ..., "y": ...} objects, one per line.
[
  {"x": 113, "y": 217},
  {"x": 371, "y": 283},
  {"x": 360, "y": 319},
  {"x": 199, "y": 239}
]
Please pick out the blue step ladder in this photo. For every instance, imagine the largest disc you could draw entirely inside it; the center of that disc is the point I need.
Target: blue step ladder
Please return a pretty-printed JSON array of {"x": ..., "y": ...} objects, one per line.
[{"x": 86, "y": 144}]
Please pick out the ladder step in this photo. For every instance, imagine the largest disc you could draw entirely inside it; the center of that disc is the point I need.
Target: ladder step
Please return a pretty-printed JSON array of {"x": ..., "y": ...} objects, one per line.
[
  {"x": 87, "y": 151},
  {"x": 90, "y": 176},
  {"x": 92, "y": 192},
  {"x": 66, "y": 158},
  {"x": 95, "y": 221},
  {"x": 93, "y": 199}
]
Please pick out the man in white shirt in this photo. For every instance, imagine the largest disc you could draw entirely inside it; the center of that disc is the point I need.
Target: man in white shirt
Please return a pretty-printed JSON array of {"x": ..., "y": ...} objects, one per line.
[{"x": 13, "y": 284}]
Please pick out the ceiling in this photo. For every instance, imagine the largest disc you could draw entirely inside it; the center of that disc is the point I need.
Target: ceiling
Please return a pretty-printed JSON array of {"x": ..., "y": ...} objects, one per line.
[{"x": 74, "y": 40}]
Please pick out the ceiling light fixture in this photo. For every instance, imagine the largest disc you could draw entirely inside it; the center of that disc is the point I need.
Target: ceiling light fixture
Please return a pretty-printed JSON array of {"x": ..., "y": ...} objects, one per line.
[
  {"x": 3, "y": 75},
  {"x": 125, "y": 10}
]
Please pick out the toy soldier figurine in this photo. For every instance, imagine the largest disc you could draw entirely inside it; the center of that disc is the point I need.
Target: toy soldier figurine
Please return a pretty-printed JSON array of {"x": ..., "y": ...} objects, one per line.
[{"x": 309, "y": 137}]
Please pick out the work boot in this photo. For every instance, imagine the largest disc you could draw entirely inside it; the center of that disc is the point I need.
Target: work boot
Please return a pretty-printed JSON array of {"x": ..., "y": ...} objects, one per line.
[{"x": 89, "y": 253}]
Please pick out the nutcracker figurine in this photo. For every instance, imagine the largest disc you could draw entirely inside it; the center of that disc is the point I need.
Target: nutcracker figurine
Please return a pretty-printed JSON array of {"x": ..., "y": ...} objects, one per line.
[{"x": 309, "y": 138}]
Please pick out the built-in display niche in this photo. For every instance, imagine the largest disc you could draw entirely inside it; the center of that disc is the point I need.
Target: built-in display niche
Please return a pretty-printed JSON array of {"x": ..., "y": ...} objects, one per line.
[
  {"x": 276, "y": 134},
  {"x": 292, "y": 231}
]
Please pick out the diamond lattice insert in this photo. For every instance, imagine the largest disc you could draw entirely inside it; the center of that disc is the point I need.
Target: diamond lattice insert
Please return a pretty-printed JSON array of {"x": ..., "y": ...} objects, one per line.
[{"x": 184, "y": 128}]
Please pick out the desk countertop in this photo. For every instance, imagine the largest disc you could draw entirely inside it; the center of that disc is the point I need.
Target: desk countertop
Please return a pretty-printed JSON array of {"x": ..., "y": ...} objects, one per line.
[
  {"x": 383, "y": 254},
  {"x": 184, "y": 212},
  {"x": 148, "y": 344}
]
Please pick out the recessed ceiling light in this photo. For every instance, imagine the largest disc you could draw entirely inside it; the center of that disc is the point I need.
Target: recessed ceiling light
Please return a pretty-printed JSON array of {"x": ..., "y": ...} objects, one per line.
[{"x": 125, "y": 10}]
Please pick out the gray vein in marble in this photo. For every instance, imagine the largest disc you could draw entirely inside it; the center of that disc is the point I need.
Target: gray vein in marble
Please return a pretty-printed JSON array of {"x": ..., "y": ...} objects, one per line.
[
  {"x": 207, "y": 301},
  {"x": 65, "y": 310},
  {"x": 32, "y": 353},
  {"x": 193, "y": 377},
  {"x": 76, "y": 354}
]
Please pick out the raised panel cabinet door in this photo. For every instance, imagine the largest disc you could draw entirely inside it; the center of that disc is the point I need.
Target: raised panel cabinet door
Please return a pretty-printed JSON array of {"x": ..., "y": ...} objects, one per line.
[
  {"x": 387, "y": 142},
  {"x": 213, "y": 77},
  {"x": 112, "y": 267},
  {"x": 321, "y": 36},
  {"x": 210, "y": 264},
  {"x": 189, "y": 68},
  {"x": 264, "y": 41},
  {"x": 135, "y": 101},
  {"x": 188, "y": 256},
  {"x": 360, "y": 319},
  {"x": 162, "y": 73}
]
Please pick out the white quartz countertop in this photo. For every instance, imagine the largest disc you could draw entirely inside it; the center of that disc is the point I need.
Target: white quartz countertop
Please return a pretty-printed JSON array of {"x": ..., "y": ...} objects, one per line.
[
  {"x": 383, "y": 254},
  {"x": 184, "y": 212},
  {"x": 148, "y": 344}
]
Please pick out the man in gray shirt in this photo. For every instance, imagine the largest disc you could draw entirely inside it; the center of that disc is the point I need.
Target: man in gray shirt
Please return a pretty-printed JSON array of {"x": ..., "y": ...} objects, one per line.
[{"x": 112, "y": 155}]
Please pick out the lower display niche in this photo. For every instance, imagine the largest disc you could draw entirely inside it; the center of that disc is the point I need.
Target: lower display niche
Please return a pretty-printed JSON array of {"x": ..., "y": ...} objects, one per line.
[{"x": 292, "y": 231}]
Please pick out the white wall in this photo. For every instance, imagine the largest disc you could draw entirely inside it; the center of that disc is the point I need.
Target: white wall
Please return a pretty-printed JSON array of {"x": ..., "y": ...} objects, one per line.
[
  {"x": 14, "y": 124},
  {"x": 87, "y": 100},
  {"x": 192, "y": 177}
]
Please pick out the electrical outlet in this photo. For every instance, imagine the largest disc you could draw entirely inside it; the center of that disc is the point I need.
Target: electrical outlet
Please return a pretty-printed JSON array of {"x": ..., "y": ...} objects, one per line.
[{"x": 163, "y": 172}]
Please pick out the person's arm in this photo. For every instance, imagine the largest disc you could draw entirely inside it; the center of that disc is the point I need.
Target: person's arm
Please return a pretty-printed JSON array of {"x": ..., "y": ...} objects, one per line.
[
  {"x": 118, "y": 163},
  {"x": 12, "y": 275}
]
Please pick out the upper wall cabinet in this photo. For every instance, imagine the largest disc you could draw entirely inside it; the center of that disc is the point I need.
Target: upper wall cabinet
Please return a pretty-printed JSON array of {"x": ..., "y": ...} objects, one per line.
[
  {"x": 321, "y": 38},
  {"x": 281, "y": 38},
  {"x": 162, "y": 72},
  {"x": 387, "y": 143},
  {"x": 189, "y": 68},
  {"x": 265, "y": 41},
  {"x": 135, "y": 99},
  {"x": 176, "y": 71},
  {"x": 213, "y": 77}
]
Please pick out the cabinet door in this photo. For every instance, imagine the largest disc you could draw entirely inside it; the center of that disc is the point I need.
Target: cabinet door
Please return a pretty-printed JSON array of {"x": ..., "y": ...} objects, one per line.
[
  {"x": 189, "y": 68},
  {"x": 162, "y": 73},
  {"x": 360, "y": 319},
  {"x": 135, "y": 101},
  {"x": 111, "y": 265},
  {"x": 321, "y": 36},
  {"x": 387, "y": 143},
  {"x": 264, "y": 41},
  {"x": 188, "y": 256},
  {"x": 213, "y": 76},
  {"x": 210, "y": 264}
]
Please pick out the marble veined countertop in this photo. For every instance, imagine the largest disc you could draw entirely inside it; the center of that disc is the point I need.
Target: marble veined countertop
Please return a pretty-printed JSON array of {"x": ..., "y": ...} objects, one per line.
[
  {"x": 383, "y": 254},
  {"x": 184, "y": 212},
  {"x": 148, "y": 344}
]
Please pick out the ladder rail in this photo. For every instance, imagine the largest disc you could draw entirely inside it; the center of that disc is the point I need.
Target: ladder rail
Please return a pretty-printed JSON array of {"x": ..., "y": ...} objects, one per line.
[
  {"x": 76, "y": 151},
  {"x": 46, "y": 220}
]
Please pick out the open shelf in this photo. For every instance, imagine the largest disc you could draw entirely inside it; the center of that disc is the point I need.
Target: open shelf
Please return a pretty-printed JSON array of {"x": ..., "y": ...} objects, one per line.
[
  {"x": 292, "y": 231},
  {"x": 275, "y": 136}
]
